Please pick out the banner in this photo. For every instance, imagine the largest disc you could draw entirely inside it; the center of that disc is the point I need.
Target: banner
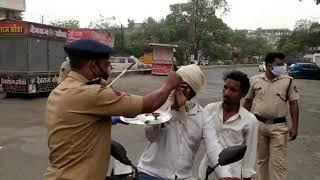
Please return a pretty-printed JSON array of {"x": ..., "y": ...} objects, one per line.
[
  {"x": 81, "y": 33},
  {"x": 28, "y": 83},
  {"x": 13, "y": 27}
]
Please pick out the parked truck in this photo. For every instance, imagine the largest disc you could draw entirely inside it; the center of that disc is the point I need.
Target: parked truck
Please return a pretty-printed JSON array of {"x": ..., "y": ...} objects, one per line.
[
  {"x": 30, "y": 56},
  {"x": 314, "y": 58}
]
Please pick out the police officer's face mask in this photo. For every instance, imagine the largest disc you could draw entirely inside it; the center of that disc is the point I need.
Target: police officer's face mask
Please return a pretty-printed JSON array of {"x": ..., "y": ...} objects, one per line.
[
  {"x": 277, "y": 70},
  {"x": 100, "y": 73}
]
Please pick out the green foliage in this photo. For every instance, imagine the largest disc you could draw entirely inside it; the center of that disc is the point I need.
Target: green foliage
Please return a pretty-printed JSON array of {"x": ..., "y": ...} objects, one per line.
[
  {"x": 68, "y": 24},
  {"x": 103, "y": 23},
  {"x": 296, "y": 44},
  {"x": 193, "y": 26},
  {"x": 249, "y": 46}
]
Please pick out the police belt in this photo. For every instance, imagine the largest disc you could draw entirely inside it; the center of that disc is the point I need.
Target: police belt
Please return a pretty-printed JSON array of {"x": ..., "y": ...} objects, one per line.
[{"x": 271, "y": 121}]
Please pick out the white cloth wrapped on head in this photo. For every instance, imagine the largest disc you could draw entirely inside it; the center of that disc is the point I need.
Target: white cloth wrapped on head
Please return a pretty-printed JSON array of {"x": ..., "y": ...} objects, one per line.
[{"x": 193, "y": 76}]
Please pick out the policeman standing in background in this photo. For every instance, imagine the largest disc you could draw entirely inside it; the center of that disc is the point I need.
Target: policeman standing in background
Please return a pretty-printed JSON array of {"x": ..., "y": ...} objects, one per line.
[
  {"x": 268, "y": 98},
  {"x": 64, "y": 70},
  {"x": 78, "y": 115}
]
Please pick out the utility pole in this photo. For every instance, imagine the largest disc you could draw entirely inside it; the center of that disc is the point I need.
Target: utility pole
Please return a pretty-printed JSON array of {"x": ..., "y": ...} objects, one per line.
[
  {"x": 194, "y": 39},
  {"x": 122, "y": 38},
  {"x": 42, "y": 19}
]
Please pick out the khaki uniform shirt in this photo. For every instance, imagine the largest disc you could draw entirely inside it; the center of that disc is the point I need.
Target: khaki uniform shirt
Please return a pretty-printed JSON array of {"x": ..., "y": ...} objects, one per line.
[
  {"x": 64, "y": 71},
  {"x": 269, "y": 97},
  {"x": 79, "y": 128}
]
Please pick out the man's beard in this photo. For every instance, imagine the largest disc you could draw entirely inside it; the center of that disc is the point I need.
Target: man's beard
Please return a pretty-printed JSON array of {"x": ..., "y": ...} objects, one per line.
[{"x": 226, "y": 100}]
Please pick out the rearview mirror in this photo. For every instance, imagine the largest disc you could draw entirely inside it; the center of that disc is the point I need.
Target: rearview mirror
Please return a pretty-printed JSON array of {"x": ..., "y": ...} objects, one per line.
[
  {"x": 227, "y": 156},
  {"x": 232, "y": 154},
  {"x": 119, "y": 153}
]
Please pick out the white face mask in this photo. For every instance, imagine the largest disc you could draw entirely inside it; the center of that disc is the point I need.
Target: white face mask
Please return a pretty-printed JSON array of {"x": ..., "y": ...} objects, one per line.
[{"x": 278, "y": 70}]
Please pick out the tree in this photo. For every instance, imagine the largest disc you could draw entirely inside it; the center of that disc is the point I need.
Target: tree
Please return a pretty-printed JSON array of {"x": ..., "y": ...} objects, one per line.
[
  {"x": 137, "y": 41},
  {"x": 108, "y": 24},
  {"x": 256, "y": 46},
  {"x": 155, "y": 31},
  {"x": 220, "y": 5},
  {"x": 212, "y": 33},
  {"x": 303, "y": 25},
  {"x": 313, "y": 39},
  {"x": 248, "y": 46},
  {"x": 296, "y": 44},
  {"x": 68, "y": 24},
  {"x": 195, "y": 27},
  {"x": 135, "y": 44},
  {"x": 103, "y": 23},
  {"x": 210, "y": 36},
  {"x": 130, "y": 23},
  {"x": 178, "y": 23}
]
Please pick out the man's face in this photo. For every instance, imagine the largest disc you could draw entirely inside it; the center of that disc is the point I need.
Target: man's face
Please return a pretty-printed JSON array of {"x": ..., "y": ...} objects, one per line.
[
  {"x": 100, "y": 67},
  {"x": 232, "y": 92},
  {"x": 276, "y": 62},
  {"x": 105, "y": 65},
  {"x": 187, "y": 90}
]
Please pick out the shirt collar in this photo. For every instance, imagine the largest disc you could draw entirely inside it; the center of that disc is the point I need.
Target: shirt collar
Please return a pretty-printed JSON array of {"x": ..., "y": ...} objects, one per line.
[
  {"x": 264, "y": 76},
  {"x": 77, "y": 76},
  {"x": 193, "y": 107},
  {"x": 236, "y": 116}
]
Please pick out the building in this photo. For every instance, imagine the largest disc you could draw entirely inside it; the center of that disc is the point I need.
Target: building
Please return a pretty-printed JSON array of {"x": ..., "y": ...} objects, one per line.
[
  {"x": 134, "y": 27},
  {"x": 12, "y": 9},
  {"x": 271, "y": 35},
  {"x": 315, "y": 36}
]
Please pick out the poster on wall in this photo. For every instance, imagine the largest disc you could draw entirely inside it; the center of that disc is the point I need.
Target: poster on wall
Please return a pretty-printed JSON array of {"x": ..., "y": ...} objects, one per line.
[
  {"x": 161, "y": 68},
  {"x": 13, "y": 83},
  {"x": 28, "y": 83},
  {"x": 44, "y": 83}
]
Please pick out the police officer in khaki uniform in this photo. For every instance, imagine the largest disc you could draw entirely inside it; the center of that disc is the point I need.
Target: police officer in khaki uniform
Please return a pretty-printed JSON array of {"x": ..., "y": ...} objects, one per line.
[
  {"x": 64, "y": 70},
  {"x": 268, "y": 98},
  {"x": 78, "y": 115}
]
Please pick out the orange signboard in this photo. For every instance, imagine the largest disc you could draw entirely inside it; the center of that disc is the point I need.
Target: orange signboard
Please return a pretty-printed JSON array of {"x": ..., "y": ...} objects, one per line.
[
  {"x": 12, "y": 28},
  {"x": 15, "y": 27}
]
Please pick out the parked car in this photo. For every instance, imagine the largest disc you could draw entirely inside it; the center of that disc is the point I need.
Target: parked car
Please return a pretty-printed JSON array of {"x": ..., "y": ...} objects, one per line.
[
  {"x": 121, "y": 63},
  {"x": 304, "y": 71},
  {"x": 262, "y": 67}
]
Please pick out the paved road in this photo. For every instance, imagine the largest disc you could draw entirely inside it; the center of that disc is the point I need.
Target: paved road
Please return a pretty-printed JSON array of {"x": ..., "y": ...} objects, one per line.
[{"x": 23, "y": 148}]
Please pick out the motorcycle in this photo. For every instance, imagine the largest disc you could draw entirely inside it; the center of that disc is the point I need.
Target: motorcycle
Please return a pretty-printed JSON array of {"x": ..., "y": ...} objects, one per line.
[{"x": 227, "y": 156}]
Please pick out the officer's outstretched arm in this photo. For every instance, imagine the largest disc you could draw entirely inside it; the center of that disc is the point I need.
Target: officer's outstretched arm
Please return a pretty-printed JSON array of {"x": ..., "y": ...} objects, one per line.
[{"x": 157, "y": 98}]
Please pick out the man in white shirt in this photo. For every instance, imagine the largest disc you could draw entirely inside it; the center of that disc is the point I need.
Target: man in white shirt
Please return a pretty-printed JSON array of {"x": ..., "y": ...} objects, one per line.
[
  {"x": 234, "y": 125},
  {"x": 173, "y": 145}
]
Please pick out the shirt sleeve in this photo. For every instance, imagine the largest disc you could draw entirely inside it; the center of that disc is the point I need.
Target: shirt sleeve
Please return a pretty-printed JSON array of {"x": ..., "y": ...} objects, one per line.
[
  {"x": 203, "y": 168},
  {"x": 250, "y": 94},
  {"x": 293, "y": 92},
  {"x": 64, "y": 71},
  {"x": 110, "y": 103},
  {"x": 249, "y": 159},
  {"x": 213, "y": 147}
]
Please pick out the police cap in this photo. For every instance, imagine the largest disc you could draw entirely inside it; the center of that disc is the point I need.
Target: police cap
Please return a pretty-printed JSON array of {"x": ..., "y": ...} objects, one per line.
[{"x": 87, "y": 48}]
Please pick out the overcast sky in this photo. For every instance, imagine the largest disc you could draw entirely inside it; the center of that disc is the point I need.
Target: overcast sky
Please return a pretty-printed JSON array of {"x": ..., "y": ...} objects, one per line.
[{"x": 244, "y": 14}]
